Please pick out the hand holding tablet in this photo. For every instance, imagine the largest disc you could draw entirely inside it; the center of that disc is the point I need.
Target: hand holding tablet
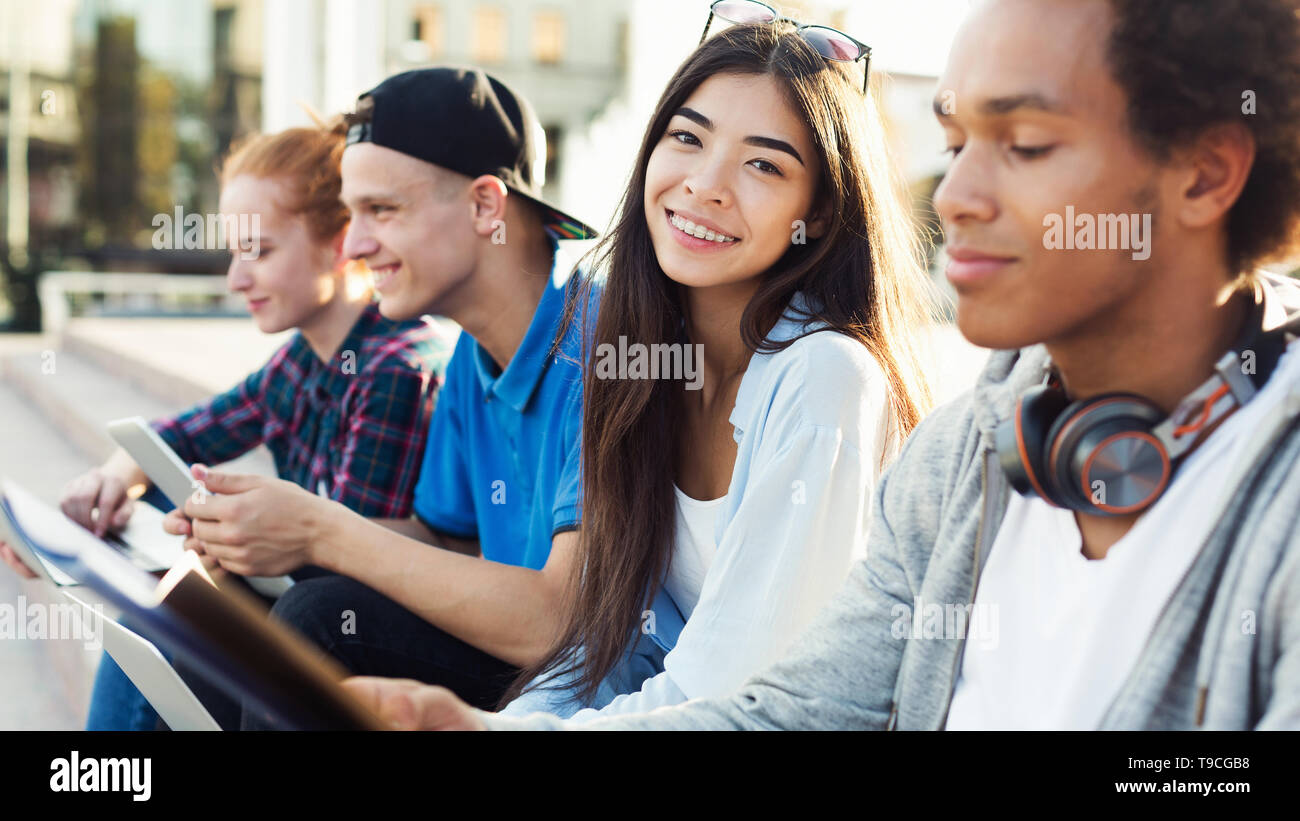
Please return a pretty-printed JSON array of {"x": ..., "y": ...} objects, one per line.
[
  {"x": 175, "y": 479},
  {"x": 159, "y": 462}
]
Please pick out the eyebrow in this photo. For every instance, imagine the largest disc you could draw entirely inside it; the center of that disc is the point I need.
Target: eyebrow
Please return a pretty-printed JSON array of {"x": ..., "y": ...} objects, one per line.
[
  {"x": 1002, "y": 106},
  {"x": 366, "y": 199},
  {"x": 762, "y": 142}
]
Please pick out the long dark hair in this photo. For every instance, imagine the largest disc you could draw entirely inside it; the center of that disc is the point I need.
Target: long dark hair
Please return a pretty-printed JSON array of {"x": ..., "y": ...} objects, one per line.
[{"x": 862, "y": 278}]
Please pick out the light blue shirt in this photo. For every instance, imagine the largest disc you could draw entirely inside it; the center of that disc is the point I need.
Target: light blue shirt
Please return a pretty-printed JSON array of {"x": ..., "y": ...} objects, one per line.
[{"x": 812, "y": 428}]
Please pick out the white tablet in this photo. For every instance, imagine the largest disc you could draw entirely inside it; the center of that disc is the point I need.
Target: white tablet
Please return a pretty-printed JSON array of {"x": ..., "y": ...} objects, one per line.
[
  {"x": 172, "y": 476},
  {"x": 151, "y": 673},
  {"x": 159, "y": 462}
]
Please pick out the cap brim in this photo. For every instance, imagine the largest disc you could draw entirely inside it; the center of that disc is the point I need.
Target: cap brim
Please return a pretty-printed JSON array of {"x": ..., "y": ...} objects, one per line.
[{"x": 559, "y": 223}]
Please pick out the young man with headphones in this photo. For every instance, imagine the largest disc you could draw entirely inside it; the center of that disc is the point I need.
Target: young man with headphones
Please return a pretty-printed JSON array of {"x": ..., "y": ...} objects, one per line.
[{"x": 1117, "y": 502}]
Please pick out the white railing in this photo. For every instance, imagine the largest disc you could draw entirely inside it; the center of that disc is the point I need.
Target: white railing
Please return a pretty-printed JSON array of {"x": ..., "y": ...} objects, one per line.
[{"x": 58, "y": 291}]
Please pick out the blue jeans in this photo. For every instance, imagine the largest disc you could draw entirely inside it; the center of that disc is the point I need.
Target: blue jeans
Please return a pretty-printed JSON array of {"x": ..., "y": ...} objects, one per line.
[{"x": 115, "y": 703}]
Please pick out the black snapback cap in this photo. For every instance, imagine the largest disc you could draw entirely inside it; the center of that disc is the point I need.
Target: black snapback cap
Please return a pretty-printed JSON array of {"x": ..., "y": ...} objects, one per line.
[{"x": 466, "y": 121}]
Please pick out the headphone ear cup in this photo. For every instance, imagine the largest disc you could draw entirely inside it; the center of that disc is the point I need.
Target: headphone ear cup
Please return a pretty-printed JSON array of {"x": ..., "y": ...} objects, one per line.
[
  {"x": 1107, "y": 426},
  {"x": 1059, "y": 486},
  {"x": 1022, "y": 442}
]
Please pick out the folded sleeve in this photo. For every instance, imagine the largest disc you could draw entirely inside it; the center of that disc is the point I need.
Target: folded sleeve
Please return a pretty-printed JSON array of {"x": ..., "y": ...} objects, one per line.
[{"x": 566, "y": 512}]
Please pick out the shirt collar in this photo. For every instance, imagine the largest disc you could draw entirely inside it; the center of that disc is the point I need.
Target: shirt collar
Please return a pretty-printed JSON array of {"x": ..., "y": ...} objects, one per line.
[
  {"x": 795, "y": 321},
  {"x": 517, "y": 383}
]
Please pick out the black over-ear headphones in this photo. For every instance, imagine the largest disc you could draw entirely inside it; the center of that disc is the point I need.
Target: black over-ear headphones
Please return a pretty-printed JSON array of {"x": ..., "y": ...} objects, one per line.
[{"x": 1114, "y": 454}]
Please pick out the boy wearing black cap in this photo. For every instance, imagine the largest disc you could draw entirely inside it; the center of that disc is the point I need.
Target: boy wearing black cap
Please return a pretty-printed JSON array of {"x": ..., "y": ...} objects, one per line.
[{"x": 442, "y": 178}]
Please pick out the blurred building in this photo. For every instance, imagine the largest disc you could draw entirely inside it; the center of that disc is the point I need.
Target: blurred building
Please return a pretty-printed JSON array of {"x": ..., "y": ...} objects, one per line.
[
  {"x": 127, "y": 104},
  {"x": 112, "y": 111},
  {"x": 593, "y": 71},
  {"x": 569, "y": 58},
  {"x": 39, "y": 123}
]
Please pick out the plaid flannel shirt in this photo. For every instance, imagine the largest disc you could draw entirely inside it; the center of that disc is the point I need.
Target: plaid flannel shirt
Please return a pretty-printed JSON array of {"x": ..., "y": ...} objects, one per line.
[{"x": 353, "y": 429}]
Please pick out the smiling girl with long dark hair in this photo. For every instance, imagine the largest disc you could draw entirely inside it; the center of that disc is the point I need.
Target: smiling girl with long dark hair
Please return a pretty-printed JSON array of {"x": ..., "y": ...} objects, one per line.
[{"x": 763, "y": 227}]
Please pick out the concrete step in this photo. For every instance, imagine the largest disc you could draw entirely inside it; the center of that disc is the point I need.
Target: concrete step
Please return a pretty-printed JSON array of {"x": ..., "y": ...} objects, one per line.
[
  {"x": 179, "y": 361},
  {"x": 54, "y": 402},
  {"x": 46, "y": 683},
  {"x": 79, "y": 397}
]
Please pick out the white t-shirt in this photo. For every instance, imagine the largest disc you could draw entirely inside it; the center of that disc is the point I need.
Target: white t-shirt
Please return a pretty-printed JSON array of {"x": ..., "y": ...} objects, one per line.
[
  {"x": 1068, "y": 630},
  {"x": 693, "y": 549}
]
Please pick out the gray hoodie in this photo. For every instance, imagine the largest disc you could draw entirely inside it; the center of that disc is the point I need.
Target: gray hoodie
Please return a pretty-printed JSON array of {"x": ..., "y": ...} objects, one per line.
[{"x": 1224, "y": 653}]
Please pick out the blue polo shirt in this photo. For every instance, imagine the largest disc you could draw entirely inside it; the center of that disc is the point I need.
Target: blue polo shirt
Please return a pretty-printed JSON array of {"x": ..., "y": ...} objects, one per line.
[{"x": 501, "y": 463}]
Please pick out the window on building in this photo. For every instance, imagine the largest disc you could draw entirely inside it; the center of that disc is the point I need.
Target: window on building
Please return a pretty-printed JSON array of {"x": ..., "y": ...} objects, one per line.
[
  {"x": 548, "y": 37},
  {"x": 222, "y": 20},
  {"x": 489, "y": 35},
  {"x": 427, "y": 27},
  {"x": 554, "y": 137}
]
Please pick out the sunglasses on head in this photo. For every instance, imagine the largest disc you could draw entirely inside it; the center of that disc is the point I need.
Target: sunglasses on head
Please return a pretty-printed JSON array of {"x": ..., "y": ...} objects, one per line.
[{"x": 830, "y": 43}]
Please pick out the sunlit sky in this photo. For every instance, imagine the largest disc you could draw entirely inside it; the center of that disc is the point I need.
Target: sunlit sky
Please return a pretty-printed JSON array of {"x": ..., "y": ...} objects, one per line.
[{"x": 911, "y": 36}]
